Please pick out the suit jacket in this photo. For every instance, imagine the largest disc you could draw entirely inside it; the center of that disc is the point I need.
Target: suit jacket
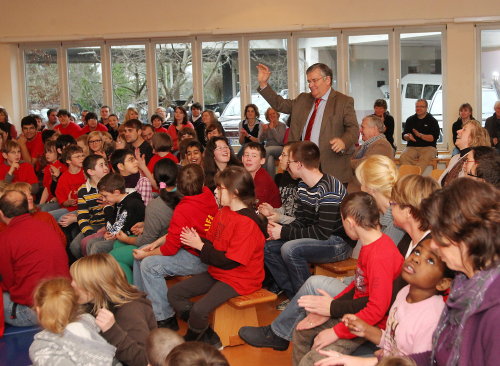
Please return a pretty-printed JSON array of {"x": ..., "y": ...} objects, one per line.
[
  {"x": 339, "y": 120},
  {"x": 379, "y": 147}
]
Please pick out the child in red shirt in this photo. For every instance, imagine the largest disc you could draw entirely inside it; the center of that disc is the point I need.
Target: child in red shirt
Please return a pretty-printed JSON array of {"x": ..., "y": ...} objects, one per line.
[
  {"x": 233, "y": 250},
  {"x": 162, "y": 145},
  {"x": 13, "y": 170},
  {"x": 70, "y": 181},
  {"x": 379, "y": 263},
  {"x": 157, "y": 123},
  {"x": 54, "y": 165},
  {"x": 266, "y": 190}
]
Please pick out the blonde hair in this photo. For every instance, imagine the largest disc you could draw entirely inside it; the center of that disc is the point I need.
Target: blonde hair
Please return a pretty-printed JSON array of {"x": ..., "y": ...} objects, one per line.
[
  {"x": 3, "y": 187},
  {"x": 127, "y": 113},
  {"x": 94, "y": 134},
  {"x": 479, "y": 136},
  {"x": 379, "y": 173},
  {"x": 410, "y": 191},
  {"x": 56, "y": 303},
  {"x": 101, "y": 276},
  {"x": 159, "y": 344}
]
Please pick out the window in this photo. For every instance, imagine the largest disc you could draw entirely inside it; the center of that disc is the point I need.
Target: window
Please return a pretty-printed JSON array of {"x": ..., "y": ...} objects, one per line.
[
  {"x": 42, "y": 80},
  {"x": 128, "y": 69},
  {"x": 85, "y": 79},
  {"x": 368, "y": 71},
  {"x": 490, "y": 72},
  {"x": 314, "y": 50},
  {"x": 174, "y": 73},
  {"x": 421, "y": 74},
  {"x": 274, "y": 54}
]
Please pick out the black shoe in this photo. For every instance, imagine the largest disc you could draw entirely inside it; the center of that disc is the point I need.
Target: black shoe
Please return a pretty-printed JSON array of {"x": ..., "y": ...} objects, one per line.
[
  {"x": 263, "y": 337},
  {"x": 192, "y": 336},
  {"x": 184, "y": 315},
  {"x": 210, "y": 337},
  {"x": 170, "y": 323}
]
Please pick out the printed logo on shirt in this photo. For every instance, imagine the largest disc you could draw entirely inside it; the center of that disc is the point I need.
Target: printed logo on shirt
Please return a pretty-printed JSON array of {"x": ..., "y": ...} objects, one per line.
[
  {"x": 360, "y": 280},
  {"x": 208, "y": 222}
]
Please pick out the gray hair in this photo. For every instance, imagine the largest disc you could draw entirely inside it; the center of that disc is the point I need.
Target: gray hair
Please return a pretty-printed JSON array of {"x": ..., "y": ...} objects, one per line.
[
  {"x": 323, "y": 69},
  {"x": 375, "y": 121},
  {"x": 423, "y": 100},
  {"x": 497, "y": 104}
]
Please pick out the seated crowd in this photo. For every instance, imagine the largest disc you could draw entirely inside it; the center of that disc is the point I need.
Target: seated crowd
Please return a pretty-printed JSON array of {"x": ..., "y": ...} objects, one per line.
[{"x": 94, "y": 217}]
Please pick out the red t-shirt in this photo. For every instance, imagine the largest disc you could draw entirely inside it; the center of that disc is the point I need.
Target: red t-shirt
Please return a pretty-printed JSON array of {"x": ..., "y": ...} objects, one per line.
[
  {"x": 31, "y": 251},
  {"x": 35, "y": 146},
  {"x": 156, "y": 158},
  {"x": 266, "y": 189},
  {"x": 47, "y": 177},
  {"x": 99, "y": 127},
  {"x": 25, "y": 173},
  {"x": 195, "y": 211},
  {"x": 161, "y": 129},
  {"x": 242, "y": 240},
  {"x": 379, "y": 263},
  {"x": 69, "y": 183},
  {"x": 172, "y": 131},
  {"x": 71, "y": 129}
]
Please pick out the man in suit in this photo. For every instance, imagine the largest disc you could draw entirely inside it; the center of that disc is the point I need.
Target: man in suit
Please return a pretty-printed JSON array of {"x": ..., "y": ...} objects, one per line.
[
  {"x": 374, "y": 143},
  {"x": 323, "y": 116}
]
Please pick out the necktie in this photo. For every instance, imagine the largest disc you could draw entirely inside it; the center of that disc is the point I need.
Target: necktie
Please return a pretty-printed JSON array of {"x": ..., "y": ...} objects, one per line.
[{"x": 310, "y": 124}]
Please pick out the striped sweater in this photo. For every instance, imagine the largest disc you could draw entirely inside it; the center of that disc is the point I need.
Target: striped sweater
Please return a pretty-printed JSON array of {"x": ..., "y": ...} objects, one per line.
[
  {"x": 318, "y": 211},
  {"x": 90, "y": 212}
]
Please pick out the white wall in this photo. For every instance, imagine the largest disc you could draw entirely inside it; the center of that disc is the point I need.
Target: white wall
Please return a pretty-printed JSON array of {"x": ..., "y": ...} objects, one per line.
[{"x": 56, "y": 20}]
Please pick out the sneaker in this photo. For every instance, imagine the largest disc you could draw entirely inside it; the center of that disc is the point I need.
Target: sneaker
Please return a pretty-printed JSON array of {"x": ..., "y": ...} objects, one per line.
[
  {"x": 282, "y": 305},
  {"x": 263, "y": 337},
  {"x": 170, "y": 323}
]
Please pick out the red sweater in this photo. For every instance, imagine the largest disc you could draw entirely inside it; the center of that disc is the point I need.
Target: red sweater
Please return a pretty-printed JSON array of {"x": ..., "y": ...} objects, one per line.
[
  {"x": 195, "y": 211},
  {"x": 172, "y": 131},
  {"x": 71, "y": 129},
  {"x": 35, "y": 147},
  {"x": 379, "y": 264},
  {"x": 69, "y": 183},
  {"x": 47, "y": 177},
  {"x": 243, "y": 242},
  {"x": 25, "y": 173},
  {"x": 161, "y": 129},
  {"x": 265, "y": 189},
  {"x": 156, "y": 158},
  {"x": 99, "y": 127},
  {"x": 31, "y": 251}
]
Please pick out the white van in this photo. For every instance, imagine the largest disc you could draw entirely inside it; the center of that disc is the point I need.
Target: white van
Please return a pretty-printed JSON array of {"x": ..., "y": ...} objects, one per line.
[{"x": 418, "y": 86}]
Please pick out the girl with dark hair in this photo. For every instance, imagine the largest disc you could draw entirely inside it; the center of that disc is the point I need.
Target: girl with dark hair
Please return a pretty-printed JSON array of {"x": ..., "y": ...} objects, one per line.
[
  {"x": 157, "y": 217},
  {"x": 218, "y": 155},
  {"x": 235, "y": 257},
  {"x": 6, "y": 126},
  {"x": 180, "y": 121}
]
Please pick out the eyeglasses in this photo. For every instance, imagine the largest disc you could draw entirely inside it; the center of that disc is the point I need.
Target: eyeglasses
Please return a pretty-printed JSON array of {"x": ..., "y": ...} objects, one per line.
[
  {"x": 392, "y": 203},
  {"x": 221, "y": 148},
  {"x": 472, "y": 175},
  {"x": 284, "y": 155},
  {"x": 315, "y": 81},
  {"x": 94, "y": 141}
]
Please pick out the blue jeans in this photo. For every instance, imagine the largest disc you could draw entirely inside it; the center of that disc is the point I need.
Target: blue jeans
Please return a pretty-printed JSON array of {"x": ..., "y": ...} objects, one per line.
[
  {"x": 25, "y": 316},
  {"x": 150, "y": 273},
  {"x": 58, "y": 213},
  {"x": 285, "y": 323},
  {"x": 272, "y": 154},
  {"x": 289, "y": 261}
]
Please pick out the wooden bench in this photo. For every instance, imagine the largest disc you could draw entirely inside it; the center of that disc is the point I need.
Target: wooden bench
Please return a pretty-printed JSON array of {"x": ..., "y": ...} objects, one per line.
[
  {"x": 238, "y": 312},
  {"x": 337, "y": 269},
  {"x": 434, "y": 163}
]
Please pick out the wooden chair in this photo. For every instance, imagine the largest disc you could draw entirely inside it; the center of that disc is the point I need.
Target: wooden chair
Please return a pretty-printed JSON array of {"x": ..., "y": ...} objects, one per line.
[
  {"x": 238, "y": 312},
  {"x": 340, "y": 269},
  {"x": 436, "y": 173},
  {"x": 406, "y": 169}
]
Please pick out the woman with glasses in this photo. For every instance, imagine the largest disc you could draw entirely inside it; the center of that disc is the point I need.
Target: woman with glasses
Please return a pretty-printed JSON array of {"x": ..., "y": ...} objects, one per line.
[
  {"x": 95, "y": 143},
  {"x": 470, "y": 135},
  {"x": 217, "y": 156}
]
